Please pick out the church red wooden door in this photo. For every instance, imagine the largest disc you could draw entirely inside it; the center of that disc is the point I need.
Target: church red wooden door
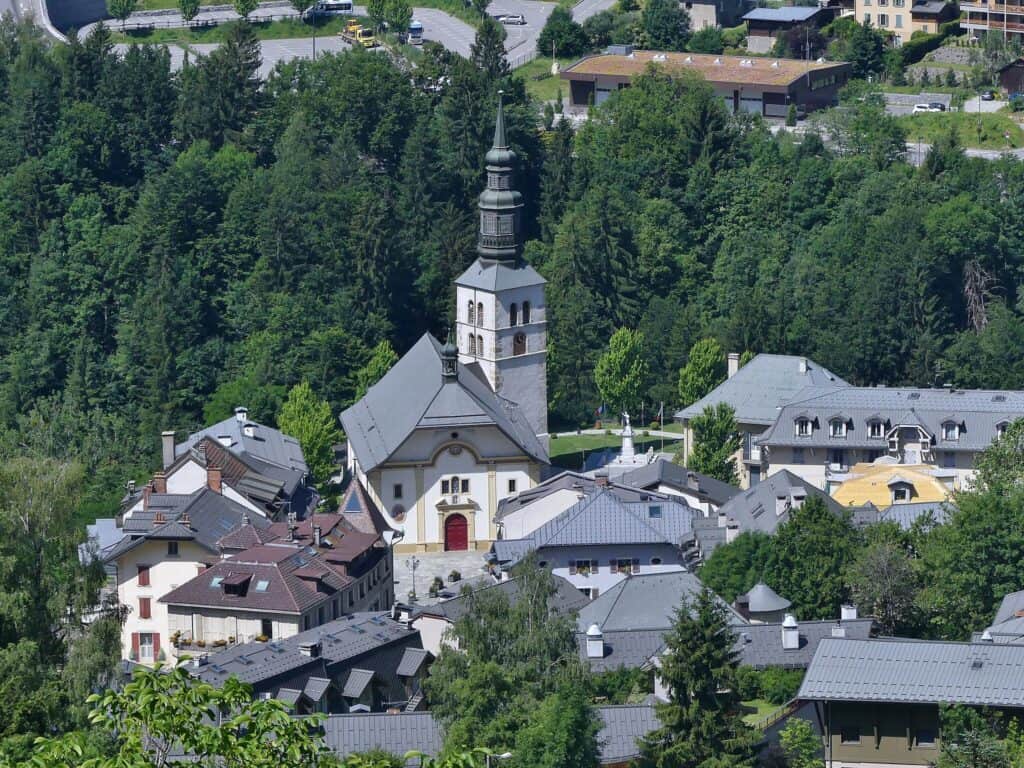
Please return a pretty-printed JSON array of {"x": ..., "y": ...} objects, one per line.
[{"x": 456, "y": 534}]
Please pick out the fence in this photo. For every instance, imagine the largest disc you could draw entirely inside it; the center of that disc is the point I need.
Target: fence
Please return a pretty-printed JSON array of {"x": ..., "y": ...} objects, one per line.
[{"x": 523, "y": 58}]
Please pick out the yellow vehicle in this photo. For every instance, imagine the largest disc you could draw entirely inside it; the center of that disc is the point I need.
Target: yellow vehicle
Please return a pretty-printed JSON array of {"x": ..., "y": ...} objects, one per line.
[
  {"x": 353, "y": 26},
  {"x": 357, "y": 34},
  {"x": 365, "y": 38}
]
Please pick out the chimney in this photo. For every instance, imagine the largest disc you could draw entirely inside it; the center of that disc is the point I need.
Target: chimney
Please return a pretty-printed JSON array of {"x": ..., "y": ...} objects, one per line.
[
  {"x": 159, "y": 483},
  {"x": 317, "y": 533},
  {"x": 734, "y": 363},
  {"x": 241, "y": 414},
  {"x": 310, "y": 648},
  {"x": 722, "y": 519},
  {"x": 692, "y": 482},
  {"x": 790, "y": 633},
  {"x": 185, "y": 519},
  {"x": 781, "y": 505},
  {"x": 167, "y": 447},
  {"x": 146, "y": 491},
  {"x": 803, "y": 365},
  {"x": 249, "y": 430},
  {"x": 158, "y": 519},
  {"x": 848, "y": 612},
  {"x": 595, "y": 642},
  {"x": 213, "y": 479},
  {"x": 838, "y": 630},
  {"x": 130, "y": 487},
  {"x": 601, "y": 478}
]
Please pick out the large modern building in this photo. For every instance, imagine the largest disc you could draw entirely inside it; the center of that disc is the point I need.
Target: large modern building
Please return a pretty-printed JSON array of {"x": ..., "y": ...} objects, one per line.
[
  {"x": 766, "y": 25},
  {"x": 451, "y": 429},
  {"x": 759, "y": 86}
]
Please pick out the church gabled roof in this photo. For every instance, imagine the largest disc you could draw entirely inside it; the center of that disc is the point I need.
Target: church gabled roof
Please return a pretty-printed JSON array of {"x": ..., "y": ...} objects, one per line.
[
  {"x": 414, "y": 395},
  {"x": 494, "y": 276}
]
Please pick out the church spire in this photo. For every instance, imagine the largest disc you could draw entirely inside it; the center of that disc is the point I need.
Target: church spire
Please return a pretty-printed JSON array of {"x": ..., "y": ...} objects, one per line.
[{"x": 500, "y": 205}]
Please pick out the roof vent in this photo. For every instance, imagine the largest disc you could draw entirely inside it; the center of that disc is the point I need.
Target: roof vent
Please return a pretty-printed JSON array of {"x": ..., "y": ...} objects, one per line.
[
  {"x": 775, "y": 64},
  {"x": 688, "y": 60},
  {"x": 820, "y": 60},
  {"x": 977, "y": 664},
  {"x": 241, "y": 414},
  {"x": 249, "y": 429},
  {"x": 595, "y": 642},
  {"x": 838, "y": 630},
  {"x": 998, "y": 398},
  {"x": 660, "y": 57},
  {"x": 790, "y": 633},
  {"x": 986, "y": 637},
  {"x": 717, "y": 62}
]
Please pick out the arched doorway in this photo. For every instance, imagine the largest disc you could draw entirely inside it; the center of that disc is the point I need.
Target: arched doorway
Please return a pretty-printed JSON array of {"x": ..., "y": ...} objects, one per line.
[{"x": 456, "y": 533}]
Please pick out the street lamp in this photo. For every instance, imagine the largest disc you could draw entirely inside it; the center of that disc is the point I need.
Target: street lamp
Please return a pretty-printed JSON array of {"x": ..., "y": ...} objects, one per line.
[
  {"x": 502, "y": 756},
  {"x": 412, "y": 564}
]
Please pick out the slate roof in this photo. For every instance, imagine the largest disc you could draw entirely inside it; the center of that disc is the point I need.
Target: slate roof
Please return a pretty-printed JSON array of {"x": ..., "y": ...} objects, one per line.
[
  {"x": 412, "y": 661},
  {"x": 760, "y": 645},
  {"x": 634, "y": 616},
  {"x": 344, "y": 640},
  {"x": 357, "y": 682},
  {"x": 315, "y": 688},
  {"x": 916, "y": 671},
  {"x": 763, "y": 599},
  {"x": 621, "y": 727},
  {"x": 905, "y": 515},
  {"x": 754, "y": 509},
  {"x": 930, "y": 8},
  {"x": 602, "y": 518},
  {"x": 210, "y": 516},
  {"x": 267, "y": 444},
  {"x": 977, "y": 411},
  {"x": 499, "y": 276},
  {"x": 414, "y": 395},
  {"x": 757, "y": 390},
  {"x": 359, "y": 510},
  {"x": 793, "y": 14},
  {"x": 566, "y": 599},
  {"x": 673, "y": 475},
  {"x": 1008, "y": 624},
  {"x": 576, "y": 481}
]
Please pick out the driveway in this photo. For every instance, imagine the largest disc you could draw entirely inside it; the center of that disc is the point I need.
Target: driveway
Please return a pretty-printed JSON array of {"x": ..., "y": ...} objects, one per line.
[
  {"x": 903, "y": 103},
  {"x": 977, "y": 104}
]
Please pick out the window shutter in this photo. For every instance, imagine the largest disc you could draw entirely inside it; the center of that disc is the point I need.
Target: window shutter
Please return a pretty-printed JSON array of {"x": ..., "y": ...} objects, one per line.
[
  {"x": 144, "y": 608},
  {"x": 156, "y": 646},
  {"x": 613, "y": 566},
  {"x": 636, "y": 565},
  {"x": 143, "y": 575},
  {"x": 572, "y": 567},
  {"x": 135, "y": 645}
]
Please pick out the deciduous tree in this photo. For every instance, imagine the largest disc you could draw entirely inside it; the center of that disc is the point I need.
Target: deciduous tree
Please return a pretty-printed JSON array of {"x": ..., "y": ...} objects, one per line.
[
  {"x": 621, "y": 372},
  {"x": 704, "y": 370},
  {"x": 310, "y": 421},
  {"x": 715, "y": 442}
]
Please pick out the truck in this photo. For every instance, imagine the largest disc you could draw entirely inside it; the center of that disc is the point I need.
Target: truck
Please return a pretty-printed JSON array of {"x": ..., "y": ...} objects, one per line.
[
  {"x": 334, "y": 6},
  {"x": 356, "y": 34},
  {"x": 415, "y": 35}
]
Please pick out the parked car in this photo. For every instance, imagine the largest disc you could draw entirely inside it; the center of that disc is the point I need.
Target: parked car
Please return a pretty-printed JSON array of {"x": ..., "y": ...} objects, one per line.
[
  {"x": 512, "y": 18},
  {"x": 937, "y": 106},
  {"x": 988, "y": 95},
  {"x": 918, "y": 108}
]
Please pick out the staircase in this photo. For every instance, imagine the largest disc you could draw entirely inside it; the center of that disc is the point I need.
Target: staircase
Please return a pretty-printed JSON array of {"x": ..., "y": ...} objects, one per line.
[{"x": 414, "y": 702}]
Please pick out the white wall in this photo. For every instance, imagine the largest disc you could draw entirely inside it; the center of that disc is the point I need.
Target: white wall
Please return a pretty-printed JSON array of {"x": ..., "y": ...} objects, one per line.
[
  {"x": 165, "y": 574},
  {"x": 190, "y": 477},
  {"x": 432, "y": 629},
  {"x": 602, "y": 578},
  {"x": 526, "y": 520}
]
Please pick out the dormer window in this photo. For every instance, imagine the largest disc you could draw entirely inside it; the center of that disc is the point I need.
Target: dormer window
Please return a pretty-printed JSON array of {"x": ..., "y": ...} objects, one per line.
[
  {"x": 803, "y": 427},
  {"x": 876, "y": 430},
  {"x": 900, "y": 494},
  {"x": 837, "y": 428},
  {"x": 950, "y": 430}
]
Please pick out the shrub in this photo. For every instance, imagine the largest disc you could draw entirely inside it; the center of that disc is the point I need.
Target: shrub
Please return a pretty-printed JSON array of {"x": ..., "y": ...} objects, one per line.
[
  {"x": 219, "y": 643},
  {"x": 200, "y": 643},
  {"x": 780, "y": 685},
  {"x": 436, "y": 586},
  {"x": 261, "y": 638},
  {"x": 706, "y": 40},
  {"x": 607, "y": 431},
  {"x": 734, "y": 37},
  {"x": 748, "y": 683},
  {"x": 791, "y": 115},
  {"x": 454, "y": 576}
]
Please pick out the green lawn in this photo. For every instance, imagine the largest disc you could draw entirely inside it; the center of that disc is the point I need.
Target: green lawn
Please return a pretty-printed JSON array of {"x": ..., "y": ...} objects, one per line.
[
  {"x": 540, "y": 83},
  {"x": 265, "y": 30},
  {"x": 759, "y": 710},
  {"x": 931, "y": 126},
  {"x": 567, "y": 452}
]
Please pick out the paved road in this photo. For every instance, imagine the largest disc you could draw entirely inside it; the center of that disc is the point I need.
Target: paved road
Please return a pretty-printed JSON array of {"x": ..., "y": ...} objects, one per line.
[
  {"x": 976, "y": 105},
  {"x": 903, "y": 103},
  {"x": 587, "y": 8}
]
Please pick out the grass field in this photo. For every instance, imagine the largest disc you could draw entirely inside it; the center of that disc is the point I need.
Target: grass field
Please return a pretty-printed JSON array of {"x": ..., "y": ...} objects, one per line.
[
  {"x": 568, "y": 452},
  {"x": 540, "y": 83},
  {"x": 761, "y": 709},
  {"x": 265, "y": 30},
  {"x": 994, "y": 128}
]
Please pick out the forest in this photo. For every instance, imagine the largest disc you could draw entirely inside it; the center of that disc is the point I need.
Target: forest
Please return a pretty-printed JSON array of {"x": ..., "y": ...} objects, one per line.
[{"x": 173, "y": 244}]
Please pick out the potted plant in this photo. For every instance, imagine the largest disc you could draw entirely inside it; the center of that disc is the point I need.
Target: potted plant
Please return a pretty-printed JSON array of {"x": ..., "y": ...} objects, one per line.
[
  {"x": 454, "y": 576},
  {"x": 436, "y": 586},
  {"x": 261, "y": 638}
]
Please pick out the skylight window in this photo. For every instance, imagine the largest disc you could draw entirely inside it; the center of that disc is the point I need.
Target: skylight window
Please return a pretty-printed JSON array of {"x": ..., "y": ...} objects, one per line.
[
  {"x": 261, "y": 586},
  {"x": 215, "y": 581}
]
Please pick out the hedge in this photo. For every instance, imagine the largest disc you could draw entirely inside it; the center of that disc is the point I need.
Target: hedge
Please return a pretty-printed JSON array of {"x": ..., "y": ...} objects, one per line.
[{"x": 920, "y": 45}]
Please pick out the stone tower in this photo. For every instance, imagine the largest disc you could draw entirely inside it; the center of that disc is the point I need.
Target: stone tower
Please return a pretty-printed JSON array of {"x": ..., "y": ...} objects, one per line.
[{"x": 500, "y": 307}]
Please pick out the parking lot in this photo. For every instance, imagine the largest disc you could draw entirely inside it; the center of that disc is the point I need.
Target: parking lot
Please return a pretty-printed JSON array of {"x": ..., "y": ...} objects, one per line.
[{"x": 903, "y": 103}]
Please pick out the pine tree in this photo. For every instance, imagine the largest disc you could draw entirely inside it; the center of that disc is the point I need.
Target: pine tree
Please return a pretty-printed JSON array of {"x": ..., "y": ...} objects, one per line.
[
  {"x": 121, "y": 9},
  {"x": 701, "y": 723},
  {"x": 189, "y": 9},
  {"x": 488, "y": 49}
]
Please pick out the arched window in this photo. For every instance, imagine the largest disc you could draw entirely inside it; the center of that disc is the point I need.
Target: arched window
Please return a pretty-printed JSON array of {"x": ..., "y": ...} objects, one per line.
[
  {"x": 472, "y": 344},
  {"x": 526, "y": 312},
  {"x": 480, "y": 313},
  {"x": 513, "y": 315},
  {"x": 470, "y": 314},
  {"x": 519, "y": 344},
  {"x": 480, "y": 345}
]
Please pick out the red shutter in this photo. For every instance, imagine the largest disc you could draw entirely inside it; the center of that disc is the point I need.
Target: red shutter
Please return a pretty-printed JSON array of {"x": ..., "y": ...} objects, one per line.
[
  {"x": 135, "y": 645},
  {"x": 156, "y": 646},
  {"x": 144, "y": 608},
  {"x": 143, "y": 575}
]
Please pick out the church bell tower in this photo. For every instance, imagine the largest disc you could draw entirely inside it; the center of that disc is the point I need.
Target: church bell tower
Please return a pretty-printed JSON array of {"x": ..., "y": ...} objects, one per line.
[{"x": 501, "y": 313}]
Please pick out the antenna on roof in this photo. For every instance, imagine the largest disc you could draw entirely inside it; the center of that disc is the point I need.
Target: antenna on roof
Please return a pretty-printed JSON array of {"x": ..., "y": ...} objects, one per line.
[{"x": 292, "y": 525}]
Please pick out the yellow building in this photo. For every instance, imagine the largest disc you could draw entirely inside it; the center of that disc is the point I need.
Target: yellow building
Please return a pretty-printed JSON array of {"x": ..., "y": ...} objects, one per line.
[
  {"x": 885, "y": 484},
  {"x": 902, "y": 18}
]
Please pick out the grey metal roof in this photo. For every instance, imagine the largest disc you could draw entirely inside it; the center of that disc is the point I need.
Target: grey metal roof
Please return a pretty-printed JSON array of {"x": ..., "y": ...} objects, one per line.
[
  {"x": 566, "y": 599},
  {"x": 621, "y": 727},
  {"x": 288, "y": 695},
  {"x": 315, "y": 688},
  {"x": 916, "y": 671},
  {"x": 760, "y": 645},
  {"x": 499, "y": 276},
  {"x": 978, "y": 412},
  {"x": 412, "y": 661},
  {"x": 647, "y": 601},
  {"x": 358, "y": 680},
  {"x": 756, "y": 509},
  {"x": 342, "y": 641},
  {"x": 630, "y": 649},
  {"x": 685, "y": 480},
  {"x": 930, "y": 8},
  {"x": 267, "y": 444},
  {"x": 763, "y": 599},
  {"x": 792, "y": 14},
  {"x": 584, "y": 484},
  {"x": 905, "y": 515},
  {"x": 1008, "y": 624},
  {"x": 601, "y": 518},
  {"x": 414, "y": 395},
  {"x": 757, "y": 390}
]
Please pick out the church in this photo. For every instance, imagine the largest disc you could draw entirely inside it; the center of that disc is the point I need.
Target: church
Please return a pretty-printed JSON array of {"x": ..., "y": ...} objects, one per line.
[{"x": 454, "y": 428}]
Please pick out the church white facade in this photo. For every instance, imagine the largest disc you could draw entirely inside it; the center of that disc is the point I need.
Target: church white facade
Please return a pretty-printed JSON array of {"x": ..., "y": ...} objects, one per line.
[{"x": 453, "y": 429}]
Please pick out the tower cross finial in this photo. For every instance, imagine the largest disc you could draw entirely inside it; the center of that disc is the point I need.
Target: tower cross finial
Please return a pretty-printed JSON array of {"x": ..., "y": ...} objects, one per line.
[{"x": 499, "y": 124}]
